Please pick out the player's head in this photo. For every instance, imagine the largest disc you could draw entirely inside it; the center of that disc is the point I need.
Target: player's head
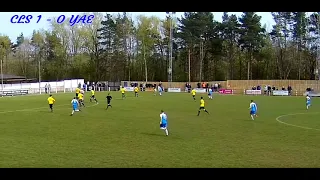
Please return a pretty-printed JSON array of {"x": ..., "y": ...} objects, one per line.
[
  {"x": 50, "y": 95},
  {"x": 201, "y": 97},
  {"x": 74, "y": 97},
  {"x": 162, "y": 111},
  {"x": 251, "y": 100},
  {"x": 108, "y": 94}
]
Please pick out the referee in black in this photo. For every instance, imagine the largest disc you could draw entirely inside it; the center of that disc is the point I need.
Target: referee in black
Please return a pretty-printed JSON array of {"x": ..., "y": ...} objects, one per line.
[{"x": 109, "y": 98}]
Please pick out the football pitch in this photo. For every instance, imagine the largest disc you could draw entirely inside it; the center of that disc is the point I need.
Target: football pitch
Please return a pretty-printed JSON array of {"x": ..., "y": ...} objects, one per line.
[{"x": 128, "y": 135}]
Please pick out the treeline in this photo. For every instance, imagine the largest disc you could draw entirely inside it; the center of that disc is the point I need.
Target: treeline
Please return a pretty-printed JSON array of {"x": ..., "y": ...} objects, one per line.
[{"x": 115, "y": 48}]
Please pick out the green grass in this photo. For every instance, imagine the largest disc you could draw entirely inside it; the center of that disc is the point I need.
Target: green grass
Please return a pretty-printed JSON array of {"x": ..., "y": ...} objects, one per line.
[{"x": 128, "y": 135}]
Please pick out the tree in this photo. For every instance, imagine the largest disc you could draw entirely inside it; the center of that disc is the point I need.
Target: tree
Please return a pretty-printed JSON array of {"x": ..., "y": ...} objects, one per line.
[
  {"x": 230, "y": 28},
  {"x": 251, "y": 36},
  {"x": 5, "y": 48}
]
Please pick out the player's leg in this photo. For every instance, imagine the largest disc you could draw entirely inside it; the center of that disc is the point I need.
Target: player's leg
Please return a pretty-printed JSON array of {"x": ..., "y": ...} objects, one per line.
[
  {"x": 199, "y": 111},
  {"x": 166, "y": 129},
  {"x": 73, "y": 110},
  {"x": 252, "y": 115},
  {"x": 205, "y": 110},
  {"x": 82, "y": 103},
  {"x": 91, "y": 97},
  {"x": 51, "y": 107},
  {"x": 108, "y": 104},
  {"x": 194, "y": 97},
  {"x": 94, "y": 98}
]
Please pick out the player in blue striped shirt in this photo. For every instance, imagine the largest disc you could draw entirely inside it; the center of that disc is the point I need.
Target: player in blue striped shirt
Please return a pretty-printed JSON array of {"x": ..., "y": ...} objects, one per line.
[
  {"x": 75, "y": 105},
  {"x": 210, "y": 93},
  {"x": 160, "y": 90},
  {"x": 164, "y": 122},
  {"x": 253, "y": 109},
  {"x": 308, "y": 103}
]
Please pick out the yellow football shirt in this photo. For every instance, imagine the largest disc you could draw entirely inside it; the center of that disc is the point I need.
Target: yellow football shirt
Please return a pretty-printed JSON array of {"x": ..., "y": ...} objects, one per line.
[
  {"x": 201, "y": 103},
  {"x": 193, "y": 92},
  {"x": 80, "y": 96},
  {"x": 51, "y": 100}
]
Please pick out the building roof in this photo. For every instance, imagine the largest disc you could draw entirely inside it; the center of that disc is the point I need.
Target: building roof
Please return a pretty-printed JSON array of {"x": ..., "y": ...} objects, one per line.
[{"x": 10, "y": 76}]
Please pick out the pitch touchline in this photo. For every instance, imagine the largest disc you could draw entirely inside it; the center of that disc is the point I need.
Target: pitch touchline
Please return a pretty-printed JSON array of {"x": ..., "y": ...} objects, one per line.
[
  {"x": 303, "y": 127},
  {"x": 31, "y": 109},
  {"x": 3, "y": 112}
]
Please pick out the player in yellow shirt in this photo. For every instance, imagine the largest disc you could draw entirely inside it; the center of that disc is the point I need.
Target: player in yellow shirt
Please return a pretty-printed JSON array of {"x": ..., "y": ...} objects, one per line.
[
  {"x": 93, "y": 97},
  {"x": 80, "y": 99},
  {"x": 193, "y": 92},
  {"x": 202, "y": 106},
  {"x": 136, "y": 90},
  {"x": 51, "y": 101},
  {"x": 77, "y": 92},
  {"x": 123, "y": 92}
]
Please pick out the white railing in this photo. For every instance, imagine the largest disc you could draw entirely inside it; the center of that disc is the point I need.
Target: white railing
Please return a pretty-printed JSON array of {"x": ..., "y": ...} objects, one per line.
[{"x": 55, "y": 86}]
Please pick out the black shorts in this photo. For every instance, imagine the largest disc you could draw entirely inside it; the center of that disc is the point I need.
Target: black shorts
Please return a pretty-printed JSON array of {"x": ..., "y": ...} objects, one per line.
[
  {"x": 77, "y": 94},
  {"x": 193, "y": 95},
  {"x": 92, "y": 96},
  {"x": 108, "y": 102},
  {"x": 201, "y": 108},
  {"x": 50, "y": 105}
]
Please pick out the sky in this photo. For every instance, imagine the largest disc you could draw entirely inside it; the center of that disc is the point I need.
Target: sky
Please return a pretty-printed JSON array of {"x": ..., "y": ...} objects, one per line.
[{"x": 14, "y": 30}]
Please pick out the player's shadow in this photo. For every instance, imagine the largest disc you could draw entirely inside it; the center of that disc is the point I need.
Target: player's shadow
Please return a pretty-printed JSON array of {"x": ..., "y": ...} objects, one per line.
[{"x": 153, "y": 134}]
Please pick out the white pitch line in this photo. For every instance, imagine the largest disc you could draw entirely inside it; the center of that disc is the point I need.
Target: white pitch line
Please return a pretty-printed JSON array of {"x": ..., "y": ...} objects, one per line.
[
  {"x": 32, "y": 109},
  {"x": 303, "y": 127}
]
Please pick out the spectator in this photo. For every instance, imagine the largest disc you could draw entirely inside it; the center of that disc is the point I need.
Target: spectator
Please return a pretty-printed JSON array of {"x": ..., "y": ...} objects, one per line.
[
  {"x": 144, "y": 87},
  {"x": 258, "y": 87},
  {"x": 215, "y": 87},
  {"x": 46, "y": 88},
  {"x": 265, "y": 89},
  {"x": 283, "y": 89},
  {"x": 269, "y": 90},
  {"x": 49, "y": 88},
  {"x": 289, "y": 90}
]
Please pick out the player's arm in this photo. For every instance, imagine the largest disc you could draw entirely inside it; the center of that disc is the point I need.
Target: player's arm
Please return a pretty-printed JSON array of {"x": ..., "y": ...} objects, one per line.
[
  {"x": 250, "y": 106},
  {"x": 160, "y": 118}
]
